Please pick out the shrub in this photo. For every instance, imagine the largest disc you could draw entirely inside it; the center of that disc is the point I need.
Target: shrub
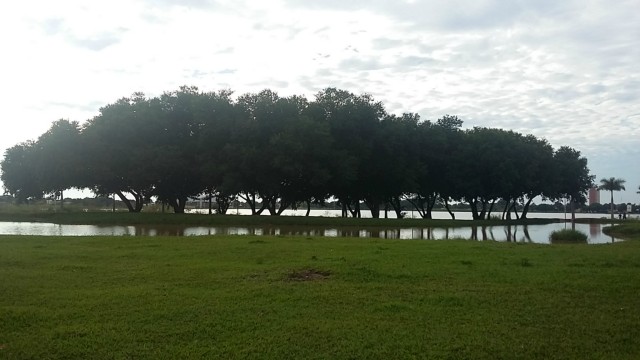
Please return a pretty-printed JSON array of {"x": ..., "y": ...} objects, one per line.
[{"x": 567, "y": 236}]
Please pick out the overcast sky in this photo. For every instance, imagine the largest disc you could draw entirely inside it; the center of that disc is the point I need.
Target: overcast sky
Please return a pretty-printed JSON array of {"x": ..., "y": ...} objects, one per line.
[{"x": 567, "y": 71}]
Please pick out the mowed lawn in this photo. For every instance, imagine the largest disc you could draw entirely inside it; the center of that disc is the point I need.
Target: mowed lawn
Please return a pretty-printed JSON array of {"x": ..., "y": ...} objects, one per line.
[{"x": 315, "y": 298}]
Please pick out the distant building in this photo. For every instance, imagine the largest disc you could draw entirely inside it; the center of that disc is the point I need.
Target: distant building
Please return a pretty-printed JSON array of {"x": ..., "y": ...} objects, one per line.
[{"x": 594, "y": 196}]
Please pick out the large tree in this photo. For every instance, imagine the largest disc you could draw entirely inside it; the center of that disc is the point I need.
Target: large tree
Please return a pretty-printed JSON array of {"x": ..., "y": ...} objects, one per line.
[
  {"x": 611, "y": 184},
  {"x": 119, "y": 153},
  {"x": 174, "y": 133},
  {"x": 536, "y": 156},
  {"x": 572, "y": 177},
  {"x": 432, "y": 168},
  {"x": 19, "y": 172},
  {"x": 486, "y": 169},
  {"x": 280, "y": 152},
  {"x": 353, "y": 122},
  {"x": 218, "y": 117},
  {"x": 59, "y": 164}
]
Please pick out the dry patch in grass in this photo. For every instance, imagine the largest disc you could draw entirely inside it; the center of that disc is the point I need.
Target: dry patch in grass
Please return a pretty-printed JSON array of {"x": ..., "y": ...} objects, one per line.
[{"x": 308, "y": 275}]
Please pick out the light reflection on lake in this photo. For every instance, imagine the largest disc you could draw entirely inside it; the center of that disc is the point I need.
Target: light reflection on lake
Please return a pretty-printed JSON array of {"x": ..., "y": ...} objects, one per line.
[
  {"x": 513, "y": 233},
  {"x": 408, "y": 214}
]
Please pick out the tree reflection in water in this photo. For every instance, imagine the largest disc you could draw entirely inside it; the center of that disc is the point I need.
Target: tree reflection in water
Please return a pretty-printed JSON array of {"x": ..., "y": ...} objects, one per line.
[{"x": 510, "y": 233}]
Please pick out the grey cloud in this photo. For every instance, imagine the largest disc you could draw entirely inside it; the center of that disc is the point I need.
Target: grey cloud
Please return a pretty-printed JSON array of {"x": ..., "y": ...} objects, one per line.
[
  {"x": 358, "y": 64},
  {"x": 626, "y": 96},
  {"x": 414, "y": 61},
  {"x": 321, "y": 30},
  {"x": 331, "y": 4},
  {"x": 451, "y": 15},
  {"x": 385, "y": 43},
  {"x": 270, "y": 84},
  {"x": 196, "y": 73},
  {"x": 58, "y": 27},
  {"x": 312, "y": 84},
  {"x": 96, "y": 43},
  {"x": 52, "y": 26},
  {"x": 324, "y": 72},
  {"x": 595, "y": 89},
  {"x": 183, "y": 3}
]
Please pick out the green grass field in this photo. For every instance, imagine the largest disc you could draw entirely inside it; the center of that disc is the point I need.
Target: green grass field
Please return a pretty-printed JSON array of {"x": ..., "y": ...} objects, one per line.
[{"x": 317, "y": 298}]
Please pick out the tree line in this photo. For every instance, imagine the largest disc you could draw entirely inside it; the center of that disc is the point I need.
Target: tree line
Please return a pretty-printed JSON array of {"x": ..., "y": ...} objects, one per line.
[{"x": 276, "y": 152}]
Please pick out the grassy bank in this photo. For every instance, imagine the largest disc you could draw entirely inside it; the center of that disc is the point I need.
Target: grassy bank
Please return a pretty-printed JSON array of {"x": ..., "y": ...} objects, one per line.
[
  {"x": 627, "y": 229},
  {"x": 324, "y": 298}
]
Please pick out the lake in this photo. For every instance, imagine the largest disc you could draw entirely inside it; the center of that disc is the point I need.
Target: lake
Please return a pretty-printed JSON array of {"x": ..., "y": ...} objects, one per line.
[
  {"x": 460, "y": 215},
  {"x": 512, "y": 233}
]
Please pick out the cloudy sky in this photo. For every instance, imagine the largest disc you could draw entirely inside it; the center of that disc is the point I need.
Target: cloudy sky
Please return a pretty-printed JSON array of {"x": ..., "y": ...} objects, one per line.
[{"x": 567, "y": 71}]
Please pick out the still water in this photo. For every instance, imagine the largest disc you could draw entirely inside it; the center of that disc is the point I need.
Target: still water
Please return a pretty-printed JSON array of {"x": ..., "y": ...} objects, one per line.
[
  {"x": 513, "y": 233},
  {"x": 460, "y": 215}
]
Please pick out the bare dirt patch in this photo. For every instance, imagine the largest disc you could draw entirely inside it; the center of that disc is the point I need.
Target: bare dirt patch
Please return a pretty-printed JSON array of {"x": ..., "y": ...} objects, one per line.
[{"x": 308, "y": 275}]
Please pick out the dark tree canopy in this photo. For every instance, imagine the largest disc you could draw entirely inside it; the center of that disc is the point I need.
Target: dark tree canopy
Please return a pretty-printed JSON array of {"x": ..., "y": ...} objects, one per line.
[{"x": 275, "y": 152}]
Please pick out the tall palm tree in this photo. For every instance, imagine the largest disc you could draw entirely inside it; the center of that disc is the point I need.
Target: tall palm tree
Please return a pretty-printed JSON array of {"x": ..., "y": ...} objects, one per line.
[{"x": 611, "y": 184}]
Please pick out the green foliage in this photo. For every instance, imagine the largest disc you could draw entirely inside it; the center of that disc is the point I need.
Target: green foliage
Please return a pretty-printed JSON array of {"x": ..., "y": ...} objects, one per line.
[
  {"x": 19, "y": 173},
  {"x": 572, "y": 175},
  {"x": 278, "y": 152},
  {"x": 567, "y": 236}
]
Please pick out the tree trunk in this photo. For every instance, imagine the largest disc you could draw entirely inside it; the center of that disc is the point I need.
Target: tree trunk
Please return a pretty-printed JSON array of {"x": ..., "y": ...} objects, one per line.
[
  {"x": 514, "y": 207},
  {"x": 431, "y": 202},
  {"x": 284, "y": 205},
  {"x": 249, "y": 199},
  {"x": 474, "y": 209},
  {"x": 308, "y": 208},
  {"x": 446, "y": 206},
  {"x": 374, "y": 207},
  {"x": 525, "y": 209},
  {"x": 223, "y": 203},
  {"x": 178, "y": 204},
  {"x": 139, "y": 201},
  {"x": 418, "y": 204},
  {"x": 483, "y": 213},
  {"x": 493, "y": 202},
  {"x": 505, "y": 214},
  {"x": 126, "y": 201},
  {"x": 210, "y": 202},
  {"x": 397, "y": 206},
  {"x": 612, "y": 207},
  {"x": 355, "y": 211}
]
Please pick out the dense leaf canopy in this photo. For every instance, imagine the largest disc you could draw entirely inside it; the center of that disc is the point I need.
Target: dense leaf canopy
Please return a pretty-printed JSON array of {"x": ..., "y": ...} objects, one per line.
[{"x": 277, "y": 152}]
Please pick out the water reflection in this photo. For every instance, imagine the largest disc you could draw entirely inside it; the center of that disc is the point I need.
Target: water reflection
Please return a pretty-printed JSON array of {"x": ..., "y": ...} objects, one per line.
[{"x": 509, "y": 233}]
